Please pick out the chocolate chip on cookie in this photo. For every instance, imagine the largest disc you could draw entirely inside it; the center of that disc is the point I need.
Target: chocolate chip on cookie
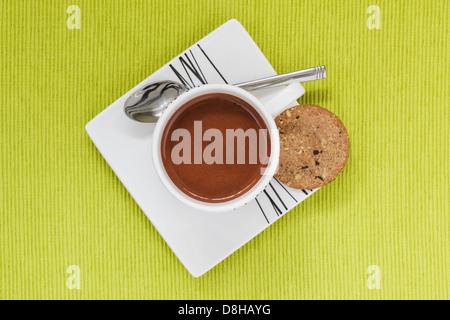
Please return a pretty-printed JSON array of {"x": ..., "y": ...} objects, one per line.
[{"x": 314, "y": 147}]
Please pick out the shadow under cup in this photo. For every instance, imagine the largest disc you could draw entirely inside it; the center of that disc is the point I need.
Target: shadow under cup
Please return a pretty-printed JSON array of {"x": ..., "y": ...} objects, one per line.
[{"x": 215, "y": 147}]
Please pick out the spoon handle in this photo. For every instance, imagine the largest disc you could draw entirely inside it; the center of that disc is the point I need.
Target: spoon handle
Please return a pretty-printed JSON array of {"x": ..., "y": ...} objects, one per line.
[{"x": 305, "y": 75}]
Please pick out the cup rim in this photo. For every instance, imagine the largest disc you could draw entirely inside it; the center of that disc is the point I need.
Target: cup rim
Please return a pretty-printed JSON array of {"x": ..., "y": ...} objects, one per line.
[{"x": 251, "y": 193}]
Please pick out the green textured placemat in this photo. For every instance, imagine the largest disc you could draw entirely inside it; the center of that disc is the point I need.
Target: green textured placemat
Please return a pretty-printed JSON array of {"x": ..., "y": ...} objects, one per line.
[{"x": 61, "y": 204}]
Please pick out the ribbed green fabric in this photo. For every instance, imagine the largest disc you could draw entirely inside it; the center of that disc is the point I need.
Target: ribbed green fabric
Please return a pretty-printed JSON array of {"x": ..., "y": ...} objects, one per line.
[{"x": 62, "y": 205}]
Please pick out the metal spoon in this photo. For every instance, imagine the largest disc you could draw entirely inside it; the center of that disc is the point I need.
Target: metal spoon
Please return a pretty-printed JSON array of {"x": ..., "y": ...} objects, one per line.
[{"x": 148, "y": 103}]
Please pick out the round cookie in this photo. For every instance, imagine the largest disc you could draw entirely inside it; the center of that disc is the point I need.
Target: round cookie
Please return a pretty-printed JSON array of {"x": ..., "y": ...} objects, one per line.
[{"x": 314, "y": 147}]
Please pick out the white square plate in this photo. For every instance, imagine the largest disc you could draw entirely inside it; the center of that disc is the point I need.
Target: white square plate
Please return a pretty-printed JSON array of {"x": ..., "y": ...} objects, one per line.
[{"x": 199, "y": 239}]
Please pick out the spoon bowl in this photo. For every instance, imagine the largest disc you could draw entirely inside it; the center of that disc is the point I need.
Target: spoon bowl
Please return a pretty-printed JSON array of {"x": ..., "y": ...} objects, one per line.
[{"x": 148, "y": 103}]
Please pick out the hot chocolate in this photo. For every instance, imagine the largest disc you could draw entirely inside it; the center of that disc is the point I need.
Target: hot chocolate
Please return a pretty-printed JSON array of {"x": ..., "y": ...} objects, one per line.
[{"x": 215, "y": 147}]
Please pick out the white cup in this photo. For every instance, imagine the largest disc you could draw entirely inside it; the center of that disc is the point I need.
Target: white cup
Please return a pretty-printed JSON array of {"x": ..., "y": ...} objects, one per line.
[{"x": 267, "y": 110}]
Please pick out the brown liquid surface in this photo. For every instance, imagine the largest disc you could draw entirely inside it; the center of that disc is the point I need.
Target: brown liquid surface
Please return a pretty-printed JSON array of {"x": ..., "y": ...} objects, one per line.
[{"x": 214, "y": 182}]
